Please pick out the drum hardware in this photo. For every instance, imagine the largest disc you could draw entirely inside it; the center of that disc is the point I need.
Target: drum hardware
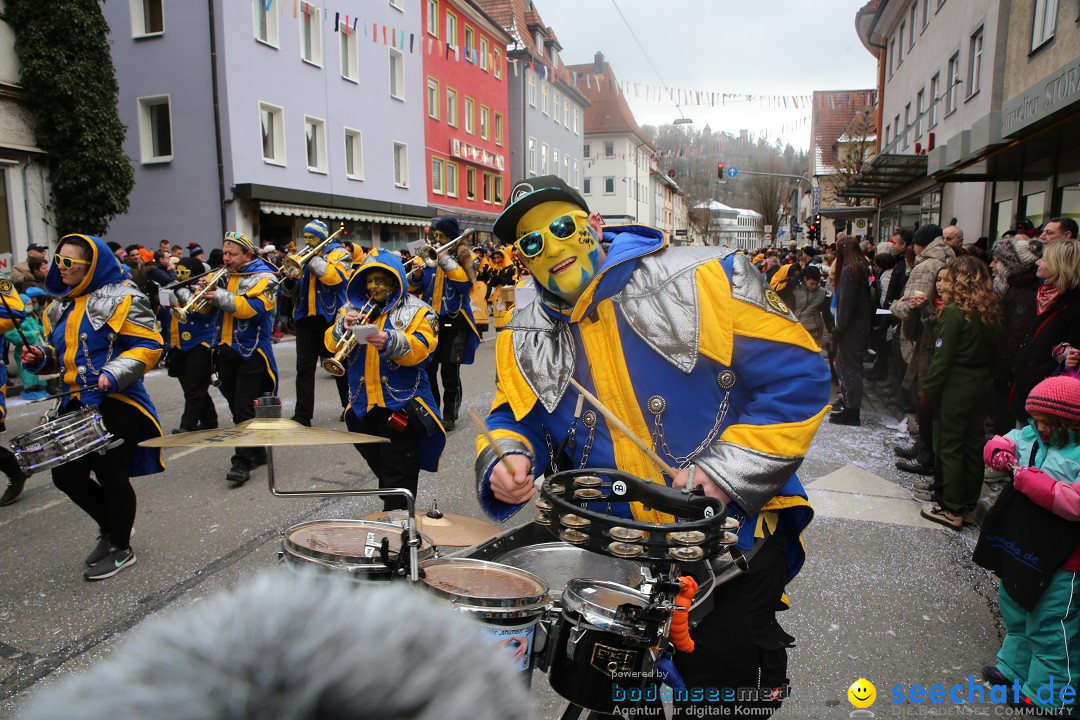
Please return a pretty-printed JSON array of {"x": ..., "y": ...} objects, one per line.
[
  {"x": 557, "y": 488},
  {"x": 348, "y": 343},
  {"x": 686, "y": 554},
  {"x": 292, "y": 266},
  {"x": 542, "y": 518},
  {"x": 625, "y": 534},
  {"x": 542, "y": 504},
  {"x": 694, "y": 537},
  {"x": 625, "y": 550},
  {"x": 574, "y": 537},
  {"x": 588, "y": 494},
  {"x": 574, "y": 521},
  {"x": 588, "y": 481},
  {"x": 445, "y": 529}
]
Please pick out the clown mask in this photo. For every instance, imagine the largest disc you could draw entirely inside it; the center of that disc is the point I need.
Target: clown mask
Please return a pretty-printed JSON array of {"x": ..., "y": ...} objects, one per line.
[
  {"x": 380, "y": 284},
  {"x": 559, "y": 248}
]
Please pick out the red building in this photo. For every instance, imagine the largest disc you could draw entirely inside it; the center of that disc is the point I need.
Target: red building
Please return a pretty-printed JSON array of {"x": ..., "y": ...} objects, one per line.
[{"x": 465, "y": 132}]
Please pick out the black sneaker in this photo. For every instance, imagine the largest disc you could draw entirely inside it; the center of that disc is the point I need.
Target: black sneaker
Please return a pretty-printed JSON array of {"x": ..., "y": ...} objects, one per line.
[
  {"x": 910, "y": 452},
  {"x": 994, "y": 676},
  {"x": 847, "y": 416},
  {"x": 914, "y": 466},
  {"x": 114, "y": 562},
  {"x": 14, "y": 489},
  {"x": 100, "y": 550},
  {"x": 448, "y": 424},
  {"x": 302, "y": 421},
  {"x": 238, "y": 475},
  {"x": 838, "y": 405}
]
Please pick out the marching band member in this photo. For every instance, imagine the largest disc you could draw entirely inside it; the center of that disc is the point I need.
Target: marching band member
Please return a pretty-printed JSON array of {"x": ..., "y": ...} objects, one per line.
[
  {"x": 189, "y": 358},
  {"x": 12, "y": 310},
  {"x": 389, "y": 395},
  {"x": 244, "y": 354},
  {"x": 317, "y": 295},
  {"x": 446, "y": 289},
  {"x": 699, "y": 359},
  {"x": 102, "y": 338}
]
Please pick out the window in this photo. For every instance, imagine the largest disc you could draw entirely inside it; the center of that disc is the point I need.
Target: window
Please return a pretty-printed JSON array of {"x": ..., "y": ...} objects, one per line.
[
  {"x": 485, "y": 120},
  {"x": 437, "y": 175},
  {"x": 907, "y": 123},
  {"x": 531, "y": 89},
  {"x": 398, "y": 4},
  {"x": 975, "y": 51},
  {"x": 155, "y": 129},
  {"x": 350, "y": 52},
  {"x": 469, "y": 56},
  {"x": 935, "y": 86},
  {"x": 546, "y": 100},
  {"x": 470, "y": 120},
  {"x": 272, "y": 122},
  {"x": 470, "y": 183},
  {"x": 555, "y": 162},
  {"x": 499, "y": 189},
  {"x": 914, "y": 16},
  {"x": 585, "y": 148},
  {"x": 609, "y": 186},
  {"x": 450, "y": 178},
  {"x": 888, "y": 135},
  {"x": 566, "y": 167},
  {"x": 489, "y": 187},
  {"x": 451, "y": 107},
  {"x": 532, "y": 155},
  {"x": 497, "y": 63},
  {"x": 953, "y": 80},
  {"x": 1043, "y": 23},
  {"x": 920, "y": 104},
  {"x": 433, "y": 18},
  {"x": 925, "y": 13},
  {"x": 354, "y": 154},
  {"x": 498, "y": 129},
  {"x": 892, "y": 57},
  {"x": 897, "y": 128},
  {"x": 310, "y": 34},
  {"x": 609, "y": 149},
  {"x": 577, "y": 174},
  {"x": 397, "y": 74},
  {"x": 266, "y": 24},
  {"x": 586, "y": 188},
  {"x": 575, "y": 121},
  {"x": 900, "y": 44},
  {"x": 566, "y": 113},
  {"x": 148, "y": 18},
  {"x": 433, "y": 100},
  {"x": 401, "y": 165},
  {"x": 558, "y": 108},
  {"x": 451, "y": 29},
  {"x": 315, "y": 142},
  {"x": 483, "y": 54},
  {"x": 544, "y": 159}
]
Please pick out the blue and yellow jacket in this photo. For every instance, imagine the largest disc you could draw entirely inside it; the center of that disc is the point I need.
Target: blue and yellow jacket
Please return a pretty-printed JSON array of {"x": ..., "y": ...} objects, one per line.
[
  {"x": 445, "y": 288},
  {"x": 695, "y": 354},
  {"x": 321, "y": 289},
  {"x": 200, "y": 328},
  {"x": 12, "y": 310},
  {"x": 396, "y": 376},
  {"x": 104, "y": 325},
  {"x": 246, "y": 321}
]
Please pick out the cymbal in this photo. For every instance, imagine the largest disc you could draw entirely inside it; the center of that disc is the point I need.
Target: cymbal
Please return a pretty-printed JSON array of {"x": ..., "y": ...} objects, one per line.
[
  {"x": 447, "y": 531},
  {"x": 270, "y": 432}
]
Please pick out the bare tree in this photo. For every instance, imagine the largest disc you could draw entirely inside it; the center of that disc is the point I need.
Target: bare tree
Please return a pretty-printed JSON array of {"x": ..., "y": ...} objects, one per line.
[
  {"x": 854, "y": 150},
  {"x": 766, "y": 193}
]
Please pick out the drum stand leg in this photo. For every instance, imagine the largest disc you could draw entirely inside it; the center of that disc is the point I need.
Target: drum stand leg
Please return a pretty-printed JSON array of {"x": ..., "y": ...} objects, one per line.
[{"x": 573, "y": 712}]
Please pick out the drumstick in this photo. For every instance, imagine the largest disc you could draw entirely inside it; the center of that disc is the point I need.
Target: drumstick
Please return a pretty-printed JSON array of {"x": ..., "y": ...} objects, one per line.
[
  {"x": 65, "y": 393},
  {"x": 611, "y": 418},
  {"x": 483, "y": 428}
]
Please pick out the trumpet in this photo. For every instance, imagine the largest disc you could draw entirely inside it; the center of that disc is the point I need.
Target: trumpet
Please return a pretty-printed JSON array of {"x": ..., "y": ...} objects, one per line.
[
  {"x": 198, "y": 298},
  {"x": 430, "y": 256},
  {"x": 293, "y": 265},
  {"x": 336, "y": 365}
]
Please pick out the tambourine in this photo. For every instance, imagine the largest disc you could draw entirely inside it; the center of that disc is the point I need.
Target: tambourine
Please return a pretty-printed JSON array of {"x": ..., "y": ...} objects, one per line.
[{"x": 703, "y": 529}]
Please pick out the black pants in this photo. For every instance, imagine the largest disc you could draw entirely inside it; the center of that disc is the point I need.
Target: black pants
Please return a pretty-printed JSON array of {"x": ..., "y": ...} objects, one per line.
[
  {"x": 446, "y": 362},
  {"x": 849, "y": 351},
  {"x": 107, "y": 497},
  {"x": 397, "y": 464},
  {"x": 192, "y": 368},
  {"x": 242, "y": 381},
  {"x": 310, "y": 346}
]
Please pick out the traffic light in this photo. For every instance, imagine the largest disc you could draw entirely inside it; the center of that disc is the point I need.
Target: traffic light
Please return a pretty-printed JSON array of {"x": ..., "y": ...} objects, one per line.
[
  {"x": 720, "y": 170},
  {"x": 811, "y": 232}
]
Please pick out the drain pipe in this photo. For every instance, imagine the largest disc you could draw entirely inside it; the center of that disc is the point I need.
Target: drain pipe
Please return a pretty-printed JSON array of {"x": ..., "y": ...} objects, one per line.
[{"x": 217, "y": 116}]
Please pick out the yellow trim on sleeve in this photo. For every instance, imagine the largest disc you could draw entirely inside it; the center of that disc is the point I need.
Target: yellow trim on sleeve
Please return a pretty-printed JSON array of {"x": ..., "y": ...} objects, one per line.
[
  {"x": 147, "y": 356},
  {"x": 119, "y": 316},
  {"x": 511, "y": 382},
  {"x": 717, "y": 311},
  {"x": 752, "y": 321},
  {"x": 786, "y": 502},
  {"x": 500, "y": 433},
  {"x": 135, "y": 330},
  {"x": 780, "y": 439}
]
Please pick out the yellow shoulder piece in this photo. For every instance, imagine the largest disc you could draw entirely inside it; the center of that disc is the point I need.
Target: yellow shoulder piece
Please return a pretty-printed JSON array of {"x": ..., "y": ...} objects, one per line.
[
  {"x": 511, "y": 381},
  {"x": 120, "y": 314},
  {"x": 751, "y": 321},
  {"x": 717, "y": 312}
]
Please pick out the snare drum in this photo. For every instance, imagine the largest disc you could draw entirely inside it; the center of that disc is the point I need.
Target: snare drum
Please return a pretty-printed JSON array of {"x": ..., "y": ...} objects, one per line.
[
  {"x": 62, "y": 440},
  {"x": 347, "y": 546},
  {"x": 601, "y": 649},
  {"x": 508, "y": 601},
  {"x": 559, "y": 563}
]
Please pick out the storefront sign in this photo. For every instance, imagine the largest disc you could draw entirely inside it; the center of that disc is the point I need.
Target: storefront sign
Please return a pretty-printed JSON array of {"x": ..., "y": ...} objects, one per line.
[
  {"x": 480, "y": 156},
  {"x": 1052, "y": 94}
]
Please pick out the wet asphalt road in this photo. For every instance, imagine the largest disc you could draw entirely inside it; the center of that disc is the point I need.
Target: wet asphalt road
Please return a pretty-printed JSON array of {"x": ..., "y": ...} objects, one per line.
[{"x": 884, "y": 595}]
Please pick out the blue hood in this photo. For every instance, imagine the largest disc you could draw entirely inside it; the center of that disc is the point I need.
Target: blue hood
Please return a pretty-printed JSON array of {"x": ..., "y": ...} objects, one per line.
[
  {"x": 258, "y": 265},
  {"x": 356, "y": 292},
  {"x": 104, "y": 270}
]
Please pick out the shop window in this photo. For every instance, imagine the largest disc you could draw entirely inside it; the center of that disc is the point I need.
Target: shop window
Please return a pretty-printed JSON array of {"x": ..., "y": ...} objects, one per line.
[{"x": 1034, "y": 208}]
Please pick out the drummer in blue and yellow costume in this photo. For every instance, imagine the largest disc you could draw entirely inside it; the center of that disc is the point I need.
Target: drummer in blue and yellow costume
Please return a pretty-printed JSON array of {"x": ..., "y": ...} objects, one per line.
[
  {"x": 12, "y": 310},
  {"x": 102, "y": 336},
  {"x": 389, "y": 394},
  {"x": 244, "y": 353},
  {"x": 701, "y": 360}
]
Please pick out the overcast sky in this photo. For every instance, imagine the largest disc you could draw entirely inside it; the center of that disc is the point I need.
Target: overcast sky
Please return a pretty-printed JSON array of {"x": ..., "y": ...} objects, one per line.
[{"x": 757, "y": 47}]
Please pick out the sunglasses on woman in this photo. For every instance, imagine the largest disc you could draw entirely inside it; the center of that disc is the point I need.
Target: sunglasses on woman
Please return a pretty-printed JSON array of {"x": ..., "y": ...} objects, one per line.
[
  {"x": 68, "y": 262},
  {"x": 532, "y": 244},
  {"x": 182, "y": 273}
]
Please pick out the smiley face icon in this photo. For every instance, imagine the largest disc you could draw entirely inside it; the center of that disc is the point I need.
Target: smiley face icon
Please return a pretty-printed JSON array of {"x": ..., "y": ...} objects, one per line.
[{"x": 862, "y": 693}]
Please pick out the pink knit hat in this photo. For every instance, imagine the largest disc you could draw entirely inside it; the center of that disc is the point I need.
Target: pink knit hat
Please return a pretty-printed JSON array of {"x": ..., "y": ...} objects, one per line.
[{"x": 1058, "y": 396}]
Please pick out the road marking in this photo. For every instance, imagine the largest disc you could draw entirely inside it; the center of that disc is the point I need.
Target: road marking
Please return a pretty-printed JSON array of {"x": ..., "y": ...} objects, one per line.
[
  {"x": 31, "y": 511},
  {"x": 182, "y": 453},
  {"x": 853, "y": 493}
]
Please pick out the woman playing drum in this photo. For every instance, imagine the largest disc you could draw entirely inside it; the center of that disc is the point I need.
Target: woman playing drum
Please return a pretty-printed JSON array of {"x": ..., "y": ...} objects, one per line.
[{"x": 102, "y": 338}]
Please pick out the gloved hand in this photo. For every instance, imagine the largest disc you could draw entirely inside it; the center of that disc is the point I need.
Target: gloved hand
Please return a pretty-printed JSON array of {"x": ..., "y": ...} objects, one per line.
[
  {"x": 999, "y": 453},
  {"x": 1028, "y": 479}
]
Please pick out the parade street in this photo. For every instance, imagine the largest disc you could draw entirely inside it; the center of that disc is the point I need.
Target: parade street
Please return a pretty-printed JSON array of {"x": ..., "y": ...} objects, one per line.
[{"x": 884, "y": 595}]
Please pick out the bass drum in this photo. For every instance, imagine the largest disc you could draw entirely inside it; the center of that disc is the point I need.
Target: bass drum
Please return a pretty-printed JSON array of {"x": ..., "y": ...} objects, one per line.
[{"x": 351, "y": 547}]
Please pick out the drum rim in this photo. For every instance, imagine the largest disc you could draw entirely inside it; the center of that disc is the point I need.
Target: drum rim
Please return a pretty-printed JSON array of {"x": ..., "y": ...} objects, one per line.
[
  {"x": 540, "y": 548},
  {"x": 305, "y": 553},
  {"x": 72, "y": 418},
  {"x": 600, "y": 616},
  {"x": 503, "y": 607}
]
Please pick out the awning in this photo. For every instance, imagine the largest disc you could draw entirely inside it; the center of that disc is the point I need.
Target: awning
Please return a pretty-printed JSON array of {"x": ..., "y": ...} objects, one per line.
[
  {"x": 313, "y": 211},
  {"x": 849, "y": 212},
  {"x": 884, "y": 174},
  {"x": 476, "y": 219}
]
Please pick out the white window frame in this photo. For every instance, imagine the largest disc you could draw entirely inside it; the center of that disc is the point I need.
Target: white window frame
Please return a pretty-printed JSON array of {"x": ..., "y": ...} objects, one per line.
[
  {"x": 348, "y": 52},
  {"x": 469, "y": 41},
  {"x": 356, "y": 157},
  {"x": 566, "y": 168},
  {"x": 576, "y": 125},
  {"x": 952, "y": 80},
  {"x": 609, "y": 179},
  {"x": 935, "y": 87},
  {"x": 914, "y": 23},
  {"x": 976, "y": 44},
  {"x": 556, "y": 107},
  {"x": 545, "y": 99},
  {"x": 498, "y": 189},
  {"x": 398, "y": 5},
  {"x": 434, "y": 98},
  {"x": 487, "y": 187},
  {"x": 318, "y": 125},
  {"x": 530, "y": 88},
  {"x": 586, "y": 185},
  {"x": 485, "y": 122},
  {"x": 577, "y": 174},
  {"x": 907, "y": 124},
  {"x": 400, "y": 159},
  {"x": 892, "y": 56},
  {"x": 555, "y": 162},
  {"x": 470, "y": 115},
  {"x": 451, "y": 29},
  {"x": 888, "y": 134},
  {"x": 438, "y": 171},
  {"x": 566, "y": 114},
  {"x": 586, "y": 149},
  {"x": 483, "y": 53},
  {"x": 271, "y": 24},
  {"x": 278, "y": 130},
  {"x": 139, "y": 18},
  {"x": 451, "y": 107},
  {"x": 433, "y": 18},
  {"x": 532, "y": 156},
  {"x": 900, "y": 44},
  {"x": 310, "y": 26},
  {"x": 544, "y": 158},
  {"x": 470, "y": 183},
  {"x": 925, "y": 13},
  {"x": 396, "y": 78},
  {"x": 1043, "y": 22},
  {"x": 450, "y": 178},
  {"x": 148, "y": 129},
  {"x": 499, "y": 137},
  {"x": 920, "y": 107},
  {"x": 609, "y": 148},
  {"x": 497, "y": 64}
]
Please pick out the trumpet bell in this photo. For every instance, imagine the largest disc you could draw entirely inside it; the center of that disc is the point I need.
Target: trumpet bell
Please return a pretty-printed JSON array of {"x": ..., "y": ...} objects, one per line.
[
  {"x": 180, "y": 313},
  {"x": 291, "y": 268},
  {"x": 332, "y": 366}
]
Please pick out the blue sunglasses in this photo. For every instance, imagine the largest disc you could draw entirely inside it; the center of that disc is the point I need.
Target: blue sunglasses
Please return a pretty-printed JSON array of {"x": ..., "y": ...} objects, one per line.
[{"x": 532, "y": 244}]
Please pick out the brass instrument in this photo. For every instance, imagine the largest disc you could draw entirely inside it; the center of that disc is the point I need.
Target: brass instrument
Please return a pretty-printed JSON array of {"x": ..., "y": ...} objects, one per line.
[
  {"x": 293, "y": 265},
  {"x": 198, "y": 298},
  {"x": 430, "y": 256},
  {"x": 336, "y": 365}
]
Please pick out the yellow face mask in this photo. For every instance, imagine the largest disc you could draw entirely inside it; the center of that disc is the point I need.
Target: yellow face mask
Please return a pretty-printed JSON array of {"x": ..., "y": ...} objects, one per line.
[
  {"x": 311, "y": 240},
  {"x": 380, "y": 284},
  {"x": 559, "y": 248}
]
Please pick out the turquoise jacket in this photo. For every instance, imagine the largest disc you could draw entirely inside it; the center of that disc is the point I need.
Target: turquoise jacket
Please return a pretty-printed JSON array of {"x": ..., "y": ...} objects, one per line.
[
  {"x": 12, "y": 310},
  {"x": 1060, "y": 463}
]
